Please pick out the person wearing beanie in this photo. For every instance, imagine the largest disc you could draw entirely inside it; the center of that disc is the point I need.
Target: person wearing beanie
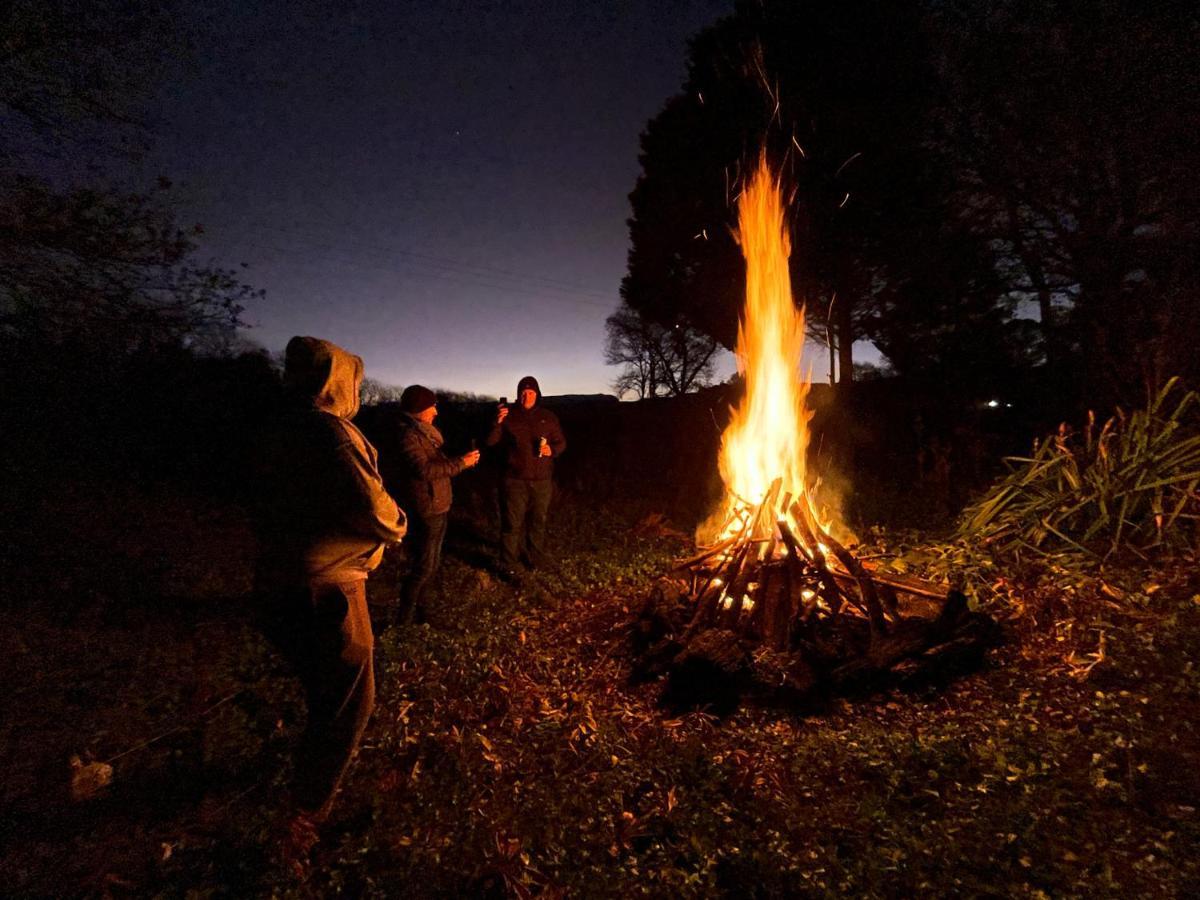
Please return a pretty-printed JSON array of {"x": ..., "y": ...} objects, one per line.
[
  {"x": 420, "y": 476},
  {"x": 531, "y": 438},
  {"x": 323, "y": 519}
]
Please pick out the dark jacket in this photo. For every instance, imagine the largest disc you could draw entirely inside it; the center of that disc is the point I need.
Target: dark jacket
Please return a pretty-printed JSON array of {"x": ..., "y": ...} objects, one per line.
[
  {"x": 323, "y": 514},
  {"x": 518, "y": 434},
  {"x": 421, "y": 472}
]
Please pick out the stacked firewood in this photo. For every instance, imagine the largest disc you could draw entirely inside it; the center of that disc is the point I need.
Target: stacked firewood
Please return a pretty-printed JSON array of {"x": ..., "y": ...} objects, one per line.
[
  {"x": 778, "y": 569},
  {"x": 779, "y": 580}
]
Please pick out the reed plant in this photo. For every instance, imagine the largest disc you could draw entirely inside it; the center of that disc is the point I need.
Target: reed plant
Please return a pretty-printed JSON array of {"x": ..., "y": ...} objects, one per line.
[{"x": 1129, "y": 487}]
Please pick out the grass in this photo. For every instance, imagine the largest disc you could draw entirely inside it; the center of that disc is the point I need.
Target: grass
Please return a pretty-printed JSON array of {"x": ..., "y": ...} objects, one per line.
[
  {"x": 1130, "y": 488},
  {"x": 509, "y": 756}
]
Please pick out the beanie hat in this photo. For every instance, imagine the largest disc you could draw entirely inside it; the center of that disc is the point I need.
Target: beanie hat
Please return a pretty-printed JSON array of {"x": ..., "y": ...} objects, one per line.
[
  {"x": 529, "y": 382},
  {"x": 417, "y": 398}
]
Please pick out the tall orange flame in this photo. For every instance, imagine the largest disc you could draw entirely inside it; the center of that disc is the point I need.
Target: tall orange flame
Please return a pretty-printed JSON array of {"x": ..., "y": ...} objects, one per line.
[{"x": 768, "y": 435}]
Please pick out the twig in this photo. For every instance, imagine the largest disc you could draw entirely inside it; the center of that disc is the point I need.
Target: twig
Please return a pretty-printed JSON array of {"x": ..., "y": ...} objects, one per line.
[
  {"x": 865, "y": 585},
  {"x": 184, "y": 727},
  {"x": 701, "y": 557}
]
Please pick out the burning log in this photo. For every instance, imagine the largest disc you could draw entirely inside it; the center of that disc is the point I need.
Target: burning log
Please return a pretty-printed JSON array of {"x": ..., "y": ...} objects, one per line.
[
  {"x": 811, "y": 602},
  {"x": 784, "y": 581}
]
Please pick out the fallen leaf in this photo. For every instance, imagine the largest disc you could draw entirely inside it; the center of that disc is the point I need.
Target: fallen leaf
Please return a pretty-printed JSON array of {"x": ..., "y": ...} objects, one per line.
[{"x": 89, "y": 780}]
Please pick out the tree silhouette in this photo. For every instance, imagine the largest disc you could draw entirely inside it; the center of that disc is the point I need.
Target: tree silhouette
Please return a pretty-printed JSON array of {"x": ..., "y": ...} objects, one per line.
[
  {"x": 113, "y": 269},
  {"x": 75, "y": 77},
  {"x": 79, "y": 259},
  {"x": 836, "y": 94},
  {"x": 956, "y": 165},
  {"x": 657, "y": 359},
  {"x": 1073, "y": 131}
]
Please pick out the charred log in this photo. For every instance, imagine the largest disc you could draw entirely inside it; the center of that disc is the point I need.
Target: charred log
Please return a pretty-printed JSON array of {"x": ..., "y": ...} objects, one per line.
[{"x": 710, "y": 671}]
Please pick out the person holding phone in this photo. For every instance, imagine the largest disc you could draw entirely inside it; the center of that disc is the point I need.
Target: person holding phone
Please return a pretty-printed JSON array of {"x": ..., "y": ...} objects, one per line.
[{"x": 531, "y": 438}]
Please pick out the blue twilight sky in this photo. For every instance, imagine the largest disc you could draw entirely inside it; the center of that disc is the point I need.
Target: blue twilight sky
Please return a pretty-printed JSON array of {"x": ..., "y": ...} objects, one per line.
[{"x": 441, "y": 187}]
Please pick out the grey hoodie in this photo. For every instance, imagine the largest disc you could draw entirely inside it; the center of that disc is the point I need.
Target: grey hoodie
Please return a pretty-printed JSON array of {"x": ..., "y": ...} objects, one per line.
[{"x": 324, "y": 513}]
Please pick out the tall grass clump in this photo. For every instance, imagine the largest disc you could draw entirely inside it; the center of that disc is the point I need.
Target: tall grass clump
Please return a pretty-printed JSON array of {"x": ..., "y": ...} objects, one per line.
[{"x": 1130, "y": 488}]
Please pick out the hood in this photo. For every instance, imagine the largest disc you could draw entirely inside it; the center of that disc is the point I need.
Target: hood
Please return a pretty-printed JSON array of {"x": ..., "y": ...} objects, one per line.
[
  {"x": 528, "y": 382},
  {"x": 324, "y": 374}
]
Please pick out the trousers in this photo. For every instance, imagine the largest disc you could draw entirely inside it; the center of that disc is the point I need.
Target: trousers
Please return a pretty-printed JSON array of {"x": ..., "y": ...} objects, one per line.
[
  {"x": 525, "y": 507},
  {"x": 324, "y": 631},
  {"x": 425, "y": 538}
]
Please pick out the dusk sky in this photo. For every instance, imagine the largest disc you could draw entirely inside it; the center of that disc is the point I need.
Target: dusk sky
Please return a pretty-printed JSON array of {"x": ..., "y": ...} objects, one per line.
[{"x": 440, "y": 187}]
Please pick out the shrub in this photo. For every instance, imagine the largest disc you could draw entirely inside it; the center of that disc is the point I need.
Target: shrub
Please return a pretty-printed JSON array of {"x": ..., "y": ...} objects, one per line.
[{"x": 1131, "y": 487}]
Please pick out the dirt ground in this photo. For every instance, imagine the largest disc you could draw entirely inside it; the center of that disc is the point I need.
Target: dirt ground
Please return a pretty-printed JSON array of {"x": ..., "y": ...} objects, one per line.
[{"x": 510, "y": 756}]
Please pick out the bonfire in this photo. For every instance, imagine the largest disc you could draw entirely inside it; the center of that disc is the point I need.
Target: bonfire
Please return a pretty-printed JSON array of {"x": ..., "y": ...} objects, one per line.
[{"x": 773, "y": 566}]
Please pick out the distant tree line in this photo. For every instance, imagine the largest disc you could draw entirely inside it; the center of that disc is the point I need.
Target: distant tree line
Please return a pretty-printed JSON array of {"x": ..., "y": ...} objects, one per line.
[
  {"x": 983, "y": 188},
  {"x": 83, "y": 259},
  {"x": 118, "y": 348}
]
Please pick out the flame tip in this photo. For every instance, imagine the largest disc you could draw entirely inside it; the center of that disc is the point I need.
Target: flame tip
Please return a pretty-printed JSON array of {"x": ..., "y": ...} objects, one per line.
[{"x": 767, "y": 437}]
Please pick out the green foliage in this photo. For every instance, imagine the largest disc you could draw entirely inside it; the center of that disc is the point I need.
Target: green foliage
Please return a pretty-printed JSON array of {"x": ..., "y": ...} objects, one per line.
[{"x": 1132, "y": 487}]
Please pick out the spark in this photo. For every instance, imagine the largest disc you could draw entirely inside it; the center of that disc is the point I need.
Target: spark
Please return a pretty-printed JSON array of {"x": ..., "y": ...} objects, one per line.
[{"x": 846, "y": 163}]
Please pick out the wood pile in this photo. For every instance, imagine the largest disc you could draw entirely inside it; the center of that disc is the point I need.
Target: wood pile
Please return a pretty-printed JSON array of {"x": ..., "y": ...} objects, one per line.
[{"x": 780, "y": 587}]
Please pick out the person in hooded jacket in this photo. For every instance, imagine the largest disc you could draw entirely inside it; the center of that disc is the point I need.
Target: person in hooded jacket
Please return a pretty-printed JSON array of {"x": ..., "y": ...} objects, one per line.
[
  {"x": 531, "y": 438},
  {"x": 323, "y": 520},
  {"x": 420, "y": 474}
]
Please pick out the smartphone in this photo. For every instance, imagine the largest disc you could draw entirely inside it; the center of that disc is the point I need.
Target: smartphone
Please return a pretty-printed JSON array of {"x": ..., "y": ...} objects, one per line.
[{"x": 504, "y": 401}]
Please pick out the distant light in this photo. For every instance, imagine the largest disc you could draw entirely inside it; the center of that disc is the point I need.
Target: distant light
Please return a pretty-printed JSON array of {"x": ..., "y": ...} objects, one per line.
[{"x": 992, "y": 404}]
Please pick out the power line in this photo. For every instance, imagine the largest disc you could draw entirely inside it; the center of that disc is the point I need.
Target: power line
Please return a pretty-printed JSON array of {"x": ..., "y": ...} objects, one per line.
[
  {"x": 489, "y": 274},
  {"x": 311, "y": 259}
]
